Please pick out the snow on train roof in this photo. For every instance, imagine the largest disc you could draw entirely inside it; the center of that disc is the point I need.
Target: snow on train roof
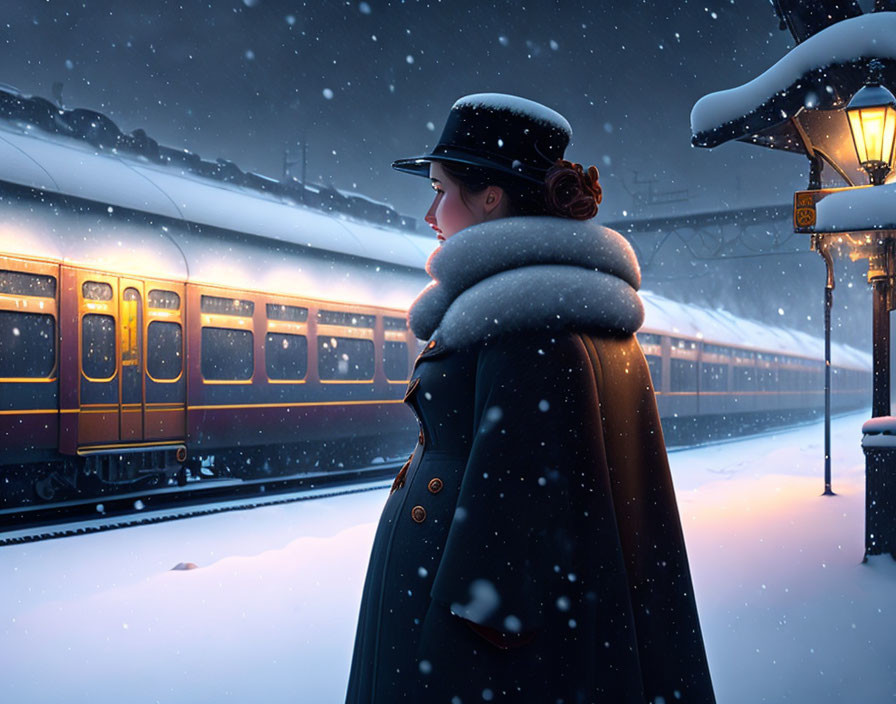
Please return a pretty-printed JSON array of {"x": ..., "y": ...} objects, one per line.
[
  {"x": 863, "y": 37},
  {"x": 720, "y": 326},
  {"x": 32, "y": 158}
]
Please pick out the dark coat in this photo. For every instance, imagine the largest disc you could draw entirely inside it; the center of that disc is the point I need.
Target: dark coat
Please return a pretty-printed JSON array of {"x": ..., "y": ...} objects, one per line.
[{"x": 538, "y": 504}]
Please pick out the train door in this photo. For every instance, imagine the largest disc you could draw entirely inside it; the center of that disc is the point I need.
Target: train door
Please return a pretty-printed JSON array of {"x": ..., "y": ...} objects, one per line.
[
  {"x": 165, "y": 387},
  {"x": 99, "y": 380},
  {"x": 131, "y": 359}
]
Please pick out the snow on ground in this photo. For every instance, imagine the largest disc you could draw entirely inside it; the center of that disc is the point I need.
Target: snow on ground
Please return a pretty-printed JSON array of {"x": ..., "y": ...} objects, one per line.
[{"x": 789, "y": 612}]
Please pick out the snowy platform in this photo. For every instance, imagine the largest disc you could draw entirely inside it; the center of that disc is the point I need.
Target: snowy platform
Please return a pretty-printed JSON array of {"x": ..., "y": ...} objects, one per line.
[{"x": 789, "y": 612}]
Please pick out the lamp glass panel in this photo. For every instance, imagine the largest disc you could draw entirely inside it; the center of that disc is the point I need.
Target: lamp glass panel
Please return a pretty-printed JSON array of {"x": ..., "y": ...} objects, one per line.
[
  {"x": 873, "y": 132},
  {"x": 889, "y": 134},
  {"x": 855, "y": 126}
]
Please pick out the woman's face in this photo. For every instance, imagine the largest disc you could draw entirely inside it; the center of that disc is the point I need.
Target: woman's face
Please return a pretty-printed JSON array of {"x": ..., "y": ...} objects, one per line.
[{"x": 448, "y": 213}]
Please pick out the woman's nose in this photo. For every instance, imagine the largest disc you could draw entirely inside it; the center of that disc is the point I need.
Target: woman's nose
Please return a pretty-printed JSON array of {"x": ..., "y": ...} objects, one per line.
[{"x": 430, "y": 217}]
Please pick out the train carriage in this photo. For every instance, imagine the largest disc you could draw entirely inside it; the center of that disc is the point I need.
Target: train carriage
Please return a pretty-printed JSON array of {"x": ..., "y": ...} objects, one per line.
[{"x": 159, "y": 320}]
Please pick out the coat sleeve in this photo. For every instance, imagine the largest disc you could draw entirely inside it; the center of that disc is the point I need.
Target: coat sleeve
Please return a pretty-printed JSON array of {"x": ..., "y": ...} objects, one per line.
[{"x": 536, "y": 428}]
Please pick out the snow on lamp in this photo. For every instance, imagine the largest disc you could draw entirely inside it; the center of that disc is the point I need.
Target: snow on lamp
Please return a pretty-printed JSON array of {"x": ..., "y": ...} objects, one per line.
[{"x": 872, "y": 121}]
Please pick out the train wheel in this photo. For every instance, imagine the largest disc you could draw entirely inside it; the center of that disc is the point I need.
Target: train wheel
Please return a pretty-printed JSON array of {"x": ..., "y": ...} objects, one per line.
[{"x": 44, "y": 488}]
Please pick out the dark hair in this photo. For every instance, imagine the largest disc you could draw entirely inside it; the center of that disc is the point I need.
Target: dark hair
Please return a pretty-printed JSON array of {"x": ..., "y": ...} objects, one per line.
[{"x": 568, "y": 190}]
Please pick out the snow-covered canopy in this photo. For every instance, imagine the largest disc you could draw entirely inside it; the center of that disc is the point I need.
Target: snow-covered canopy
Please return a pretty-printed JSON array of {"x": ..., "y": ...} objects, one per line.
[
  {"x": 857, "y": 209},
  {"x": 821, "y": 74}
]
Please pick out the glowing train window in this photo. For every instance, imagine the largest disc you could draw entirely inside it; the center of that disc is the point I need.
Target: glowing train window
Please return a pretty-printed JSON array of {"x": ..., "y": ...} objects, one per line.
[
  {"x": 164, "y": 345},
  {"x": 338, "y": 317},
  {"x": 282, "y": 312},
  {"x": 286, "y": 356},
  {"x": 227, "y": 306},
  {"x": 27, "y": 284},
  {"x": 394, "y": 323},
  {"x": 647, "y": 338},
  {"x": 227, "y": 354},
  {"x": 344, "y": 358},
  {"x": 395, "y": 360},
  {"x": 168, "y": 300},
  {"x": 27, "y": 345},
  {"x": 96, "y": 291},
  {"x": 98, "y": 346}
]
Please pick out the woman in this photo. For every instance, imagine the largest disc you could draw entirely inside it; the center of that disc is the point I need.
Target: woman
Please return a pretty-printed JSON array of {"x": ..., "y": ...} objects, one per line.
[{"x": 530, "y": 549}]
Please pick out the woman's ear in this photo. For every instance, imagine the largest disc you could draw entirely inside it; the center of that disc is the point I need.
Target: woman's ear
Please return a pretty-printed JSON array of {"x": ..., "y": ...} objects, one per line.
[{"x": 493, "y": 198}]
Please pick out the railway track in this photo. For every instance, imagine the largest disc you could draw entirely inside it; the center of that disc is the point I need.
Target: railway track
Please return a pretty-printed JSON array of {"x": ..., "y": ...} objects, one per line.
[
  {"x": 59, "y": 520},
  {"x": 47, "y": 521}
]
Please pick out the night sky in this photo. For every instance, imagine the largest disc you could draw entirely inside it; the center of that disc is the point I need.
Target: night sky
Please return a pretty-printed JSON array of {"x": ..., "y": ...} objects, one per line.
[{"x": 368, "y": 82}]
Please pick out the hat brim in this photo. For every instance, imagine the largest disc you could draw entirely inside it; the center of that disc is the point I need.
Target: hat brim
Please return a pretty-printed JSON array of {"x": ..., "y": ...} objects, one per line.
[{"x": 419, "y": 166}]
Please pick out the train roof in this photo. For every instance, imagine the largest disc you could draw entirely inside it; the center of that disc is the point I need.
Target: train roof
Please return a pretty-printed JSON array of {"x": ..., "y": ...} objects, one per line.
[
  {"x": 33, "y": 158},
  {"x": 36, "y": 158},
  {"x": 723, "y": 327}
]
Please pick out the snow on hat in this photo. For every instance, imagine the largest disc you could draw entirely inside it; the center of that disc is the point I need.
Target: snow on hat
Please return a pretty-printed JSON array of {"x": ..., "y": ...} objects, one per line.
[{"x": 503, "y": 133}]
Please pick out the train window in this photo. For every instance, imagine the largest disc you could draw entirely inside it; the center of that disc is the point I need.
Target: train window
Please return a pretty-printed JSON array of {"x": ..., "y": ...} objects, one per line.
[
  {"x": 338, "y": 317},
  {"x": 96, "y": 291},
  {"x": 715, "y": 377},
  {"x": 163, "y": 299},
  {"x": 395, "y": 360},
  {"x": 164, "y": 342},
  {"x": 227, "y": 354},
  {"x": 655, "y": 364},
  {"x": 281, "y": 312},
  {"x": 648, "y": 338},
  {"x": 394, "y": 323},
  {"x": 286, "y": 356},
  {"x": 717, "y": 349},
  {"x": 27, "y": 345},
  {"x": 768, "y": 379},
  {"x": 227, "y": 306},
  {"x": 684, "y": 344},
  {"x": 27, "y": 284},
  {"x": 98, "y": 346},
  {"x": 744, "y": 378},
  {"x": 684, "y": 375},
  {"x": 345, "y": 358}
]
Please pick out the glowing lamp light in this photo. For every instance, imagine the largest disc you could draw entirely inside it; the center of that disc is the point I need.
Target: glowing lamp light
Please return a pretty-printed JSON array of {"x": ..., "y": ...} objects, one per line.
[{"x": 872, "y": 121}]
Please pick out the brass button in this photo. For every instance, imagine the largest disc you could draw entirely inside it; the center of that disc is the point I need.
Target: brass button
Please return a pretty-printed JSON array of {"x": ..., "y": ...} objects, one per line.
[
  {"x": 435, "y": 485},
  {"x": 418, "y": 513}
]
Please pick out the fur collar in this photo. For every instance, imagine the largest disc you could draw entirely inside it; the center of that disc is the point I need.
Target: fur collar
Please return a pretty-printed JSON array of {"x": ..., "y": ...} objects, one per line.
[{"x": 528, "y": 273}]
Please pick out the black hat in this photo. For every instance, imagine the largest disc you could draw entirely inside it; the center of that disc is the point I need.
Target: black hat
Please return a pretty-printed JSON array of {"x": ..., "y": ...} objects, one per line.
[{"x": 498, "y": 132}]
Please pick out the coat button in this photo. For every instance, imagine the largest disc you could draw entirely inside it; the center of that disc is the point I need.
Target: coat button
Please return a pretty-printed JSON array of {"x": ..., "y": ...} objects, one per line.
[
  {"x": 435, "y": 485},
  {"x": 418, "y": 513}
]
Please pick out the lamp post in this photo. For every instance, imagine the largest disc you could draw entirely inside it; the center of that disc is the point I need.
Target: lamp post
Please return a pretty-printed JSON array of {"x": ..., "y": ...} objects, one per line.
[
  {"x": 871, "y": 115},
  {"x": 872, "y": 123},
  {"x": 822, "y": 101}
]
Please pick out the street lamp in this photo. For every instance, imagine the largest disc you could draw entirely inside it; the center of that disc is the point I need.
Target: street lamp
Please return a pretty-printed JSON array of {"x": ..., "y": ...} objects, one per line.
[
  {"x": 797, "y": 106},
  {"x": 872, "y": 122}
]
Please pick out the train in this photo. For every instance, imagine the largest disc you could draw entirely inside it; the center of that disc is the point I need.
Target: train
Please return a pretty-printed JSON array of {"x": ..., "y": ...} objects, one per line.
[{"x": 164, "y": 319}]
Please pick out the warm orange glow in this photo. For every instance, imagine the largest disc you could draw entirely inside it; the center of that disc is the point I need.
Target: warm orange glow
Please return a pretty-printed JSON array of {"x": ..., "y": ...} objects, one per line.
[{"x": 873, "y": 129}]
